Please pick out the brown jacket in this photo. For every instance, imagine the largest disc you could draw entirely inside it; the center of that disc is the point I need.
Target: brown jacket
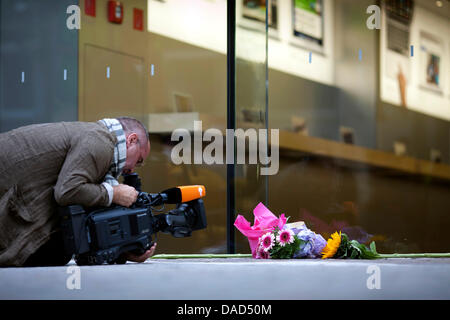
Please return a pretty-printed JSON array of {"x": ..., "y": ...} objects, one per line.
[{"x": 44, "y": 165}]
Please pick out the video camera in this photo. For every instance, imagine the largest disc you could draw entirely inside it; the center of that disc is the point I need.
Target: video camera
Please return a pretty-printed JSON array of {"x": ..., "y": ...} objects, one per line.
[{"x": 99, "y": 235}]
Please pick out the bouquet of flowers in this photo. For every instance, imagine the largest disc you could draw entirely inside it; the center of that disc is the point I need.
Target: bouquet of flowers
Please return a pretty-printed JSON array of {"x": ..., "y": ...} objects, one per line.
[
  {"x": 272, "y": 237},
  {"x": 291, "y": 241}
]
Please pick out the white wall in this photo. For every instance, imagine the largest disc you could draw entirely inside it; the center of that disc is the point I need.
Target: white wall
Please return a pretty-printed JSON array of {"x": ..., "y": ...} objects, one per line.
[
  {"x": 204, "y": 23},
  {"x": 198, "y": 22}
]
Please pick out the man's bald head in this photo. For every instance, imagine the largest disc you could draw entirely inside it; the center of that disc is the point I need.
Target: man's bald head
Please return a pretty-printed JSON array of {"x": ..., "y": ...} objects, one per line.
[
  {"x": 131, "y": 125},
  {"x": 138, "y": 142}
]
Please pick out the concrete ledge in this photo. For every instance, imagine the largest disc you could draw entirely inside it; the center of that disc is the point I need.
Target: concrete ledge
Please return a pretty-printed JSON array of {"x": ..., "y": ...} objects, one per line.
[{"x": 234, "y": 279}]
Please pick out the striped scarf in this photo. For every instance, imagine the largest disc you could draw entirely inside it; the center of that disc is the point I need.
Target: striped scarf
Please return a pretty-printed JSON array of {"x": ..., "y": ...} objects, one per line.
[{"x": 120, "y": 151}]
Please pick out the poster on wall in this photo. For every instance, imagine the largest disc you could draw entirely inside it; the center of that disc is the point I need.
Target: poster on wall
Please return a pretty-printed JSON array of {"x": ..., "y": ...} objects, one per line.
[
  {"x": 308, "y": 20},
  {"x": 431, "y": 61},
  {"x": 253, "y": 14},
  {"x": 399, "y": 14},
  {"x": 396, "y": 29}
]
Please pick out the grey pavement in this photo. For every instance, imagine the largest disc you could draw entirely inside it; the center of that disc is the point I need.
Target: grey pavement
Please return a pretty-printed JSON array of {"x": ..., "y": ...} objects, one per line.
[{"x": 233, "y": 279}]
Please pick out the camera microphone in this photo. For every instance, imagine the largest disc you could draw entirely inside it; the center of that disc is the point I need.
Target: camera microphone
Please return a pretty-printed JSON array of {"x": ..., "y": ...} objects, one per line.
[
  {"x": 175, "y": 195},
  {"x": 183, "y": 194}
]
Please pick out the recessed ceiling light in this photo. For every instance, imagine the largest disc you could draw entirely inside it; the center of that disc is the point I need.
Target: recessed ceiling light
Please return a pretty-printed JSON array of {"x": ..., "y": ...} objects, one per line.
[{"x": 439, "y": 3}]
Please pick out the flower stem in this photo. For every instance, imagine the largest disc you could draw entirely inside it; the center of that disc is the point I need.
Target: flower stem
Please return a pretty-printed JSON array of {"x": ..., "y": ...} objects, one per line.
[{"x": 415, "y": 255}]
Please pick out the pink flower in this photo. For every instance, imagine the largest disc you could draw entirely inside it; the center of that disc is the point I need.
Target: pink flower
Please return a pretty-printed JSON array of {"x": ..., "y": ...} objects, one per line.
[
  {"x": 267, "y": 241},
  {"x": 285, "y": 236},
  {"x": 261, "y": 254}
]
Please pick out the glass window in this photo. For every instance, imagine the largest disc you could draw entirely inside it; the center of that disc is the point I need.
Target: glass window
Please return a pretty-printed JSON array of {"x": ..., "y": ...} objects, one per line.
[{"x": 340, "y": 113}]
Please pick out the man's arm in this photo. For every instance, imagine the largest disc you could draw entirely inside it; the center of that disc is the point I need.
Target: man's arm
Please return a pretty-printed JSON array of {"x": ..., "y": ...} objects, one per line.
[{"x": 87, "y": 161}]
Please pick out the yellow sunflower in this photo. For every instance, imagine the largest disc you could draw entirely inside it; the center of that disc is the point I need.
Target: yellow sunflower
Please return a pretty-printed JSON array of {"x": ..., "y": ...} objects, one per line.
[{"x": 332, "y": 245}]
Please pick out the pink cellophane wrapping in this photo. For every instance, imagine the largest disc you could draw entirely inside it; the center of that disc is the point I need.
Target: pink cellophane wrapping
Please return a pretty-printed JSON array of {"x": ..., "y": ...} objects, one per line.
[{"x": 264, "y": 222}]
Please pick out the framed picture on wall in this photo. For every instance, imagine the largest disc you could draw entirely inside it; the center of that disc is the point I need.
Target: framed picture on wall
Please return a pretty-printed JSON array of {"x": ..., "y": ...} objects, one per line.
[
  {"x": 431, "y": 62},
  {"x": 398, "y": 17},
  {"x": 395, "y": 32},
  {"x": 252, "y": 15},
  {"x": 308, "y": 24},
  {"x": 254, "y": 10}
]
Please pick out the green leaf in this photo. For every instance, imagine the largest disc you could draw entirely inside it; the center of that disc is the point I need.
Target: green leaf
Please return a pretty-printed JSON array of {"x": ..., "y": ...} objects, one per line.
[
  {"x": 373, "y": 247},
  {"x": 275, "y": 251},
  {"x": 356, "y": 245},
  {"x": 354, "y": 254},
  {"x": 356, "y": 249},
  {"x": 342, "y": 251},
  {"x": 360, "y": 251},
  {"x": 368, "y": 254},
  {"x": 344, "y": 239}
]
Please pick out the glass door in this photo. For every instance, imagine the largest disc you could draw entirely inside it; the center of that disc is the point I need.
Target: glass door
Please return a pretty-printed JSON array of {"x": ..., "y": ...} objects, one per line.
[{"x": 247, "y": 179}]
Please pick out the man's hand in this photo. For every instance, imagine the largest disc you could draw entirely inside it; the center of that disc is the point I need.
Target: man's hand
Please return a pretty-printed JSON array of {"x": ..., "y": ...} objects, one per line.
[
  {"x": 124, "y": 195},
  {"x": 134, "y": 258}
]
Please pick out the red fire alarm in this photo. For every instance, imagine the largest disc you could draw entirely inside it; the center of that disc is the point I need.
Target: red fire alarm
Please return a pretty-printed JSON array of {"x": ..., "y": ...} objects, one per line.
[
  {"x": 138, "y": 19},
  {"x": 115, "y": 12},
  {"x": 89, "y": 7}
]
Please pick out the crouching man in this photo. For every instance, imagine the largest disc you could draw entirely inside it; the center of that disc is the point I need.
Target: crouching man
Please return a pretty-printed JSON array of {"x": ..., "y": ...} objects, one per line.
[{"x": 46, "y": 165}]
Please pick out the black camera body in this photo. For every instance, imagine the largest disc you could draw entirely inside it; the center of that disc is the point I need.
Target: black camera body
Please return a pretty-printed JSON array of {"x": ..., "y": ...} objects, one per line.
[{"x": 102, "y": 235}]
